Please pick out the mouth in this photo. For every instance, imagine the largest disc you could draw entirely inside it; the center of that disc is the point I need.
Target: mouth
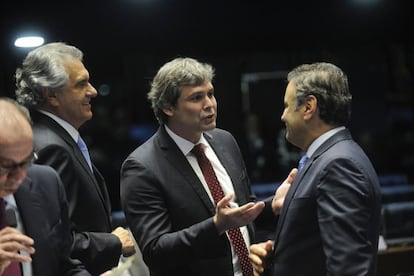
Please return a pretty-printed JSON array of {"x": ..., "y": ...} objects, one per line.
[
  {"x": 10, "y": 190},
  {"x": 209, "y": 117},
  {"x": 87, "y": 105}
]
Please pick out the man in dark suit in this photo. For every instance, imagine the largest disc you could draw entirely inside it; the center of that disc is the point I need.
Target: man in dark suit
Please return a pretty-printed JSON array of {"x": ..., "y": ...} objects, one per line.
[
  {"x": 37, "y": 197},
  {"x": 330, "y": 220},
  {"x": 54, "y": 84},
  {"x": 169, "y": 207}
]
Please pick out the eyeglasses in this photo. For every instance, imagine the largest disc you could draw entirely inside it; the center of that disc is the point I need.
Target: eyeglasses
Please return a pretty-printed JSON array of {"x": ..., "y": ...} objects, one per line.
[{"x": 22, "y": 165}]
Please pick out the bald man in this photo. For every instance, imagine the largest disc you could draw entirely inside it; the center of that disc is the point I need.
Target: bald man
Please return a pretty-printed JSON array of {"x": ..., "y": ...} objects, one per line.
[{"x": 41, "y": 241}]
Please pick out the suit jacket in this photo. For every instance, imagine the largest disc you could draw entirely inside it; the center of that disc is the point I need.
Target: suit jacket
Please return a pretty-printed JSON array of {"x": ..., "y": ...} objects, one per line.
[
  {"x": 330, "y": 220},
  {"x": 89, "y": 204},
  {"x": 169, "y": 211},
  {"x": 43, "y": 208}
]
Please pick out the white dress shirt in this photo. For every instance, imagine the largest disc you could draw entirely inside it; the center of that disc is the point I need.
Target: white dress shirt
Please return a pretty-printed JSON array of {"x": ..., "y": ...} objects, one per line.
[{"x": 224, "y": 179}]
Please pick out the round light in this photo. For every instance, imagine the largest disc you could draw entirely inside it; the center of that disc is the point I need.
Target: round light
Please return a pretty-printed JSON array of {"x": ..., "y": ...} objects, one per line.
[
  {"x": 29, "y": 41},
  {"x": 104, "y": 90}
]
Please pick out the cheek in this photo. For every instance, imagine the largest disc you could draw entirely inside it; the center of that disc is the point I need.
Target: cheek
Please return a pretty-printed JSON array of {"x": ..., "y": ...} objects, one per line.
[
  {"x": 192, "y": 112},
  {"x": 2, "y": 184}
]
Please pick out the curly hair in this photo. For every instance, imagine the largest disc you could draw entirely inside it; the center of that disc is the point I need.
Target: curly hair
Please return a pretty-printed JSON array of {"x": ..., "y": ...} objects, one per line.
[{"x": 43, "y": 68}]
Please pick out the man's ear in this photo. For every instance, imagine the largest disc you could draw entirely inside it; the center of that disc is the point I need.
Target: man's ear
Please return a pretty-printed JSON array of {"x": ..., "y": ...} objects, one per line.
[
  {"x": 311, "y": 106},
  {"x": 168, "y": 111},
  {"x": 50, "y": 96}
]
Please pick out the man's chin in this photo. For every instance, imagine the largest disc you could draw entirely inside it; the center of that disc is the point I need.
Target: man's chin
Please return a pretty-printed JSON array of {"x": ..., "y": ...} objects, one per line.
[
  {"x": 209, "y": 126},
  {"x": 7, "y": 191}
]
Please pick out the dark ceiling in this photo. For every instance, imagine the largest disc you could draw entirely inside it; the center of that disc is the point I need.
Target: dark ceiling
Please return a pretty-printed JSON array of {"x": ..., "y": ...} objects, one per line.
[
  {"x": 215, "y": 25},
  {"x": 125, "y": 42}
]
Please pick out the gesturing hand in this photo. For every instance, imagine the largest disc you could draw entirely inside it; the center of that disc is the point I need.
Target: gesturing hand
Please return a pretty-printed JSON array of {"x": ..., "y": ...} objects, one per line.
[
  {"x": 281, "y": 192},
  {"x": 227, "y": 217}
]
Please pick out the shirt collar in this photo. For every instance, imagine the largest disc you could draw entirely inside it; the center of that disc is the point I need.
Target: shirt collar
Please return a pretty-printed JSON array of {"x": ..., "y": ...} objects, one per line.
[
  {"x": 10, "y": 200},
  {"x": 73, "y": 132},
  {"x": 321, "y": 139},
  {"x": 183, "y": 144}
]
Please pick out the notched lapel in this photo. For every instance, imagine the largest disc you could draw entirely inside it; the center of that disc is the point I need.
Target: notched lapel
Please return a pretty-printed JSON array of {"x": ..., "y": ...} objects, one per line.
[
  {"x": 227, "y": 160},
  {"x": 177, "y": 159},
  {"x": 290, "y": 194},
  {"x": 29, "y": 203}
]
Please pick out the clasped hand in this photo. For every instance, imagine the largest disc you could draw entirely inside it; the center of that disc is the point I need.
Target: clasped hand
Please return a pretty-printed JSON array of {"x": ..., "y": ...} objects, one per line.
[
  {"x": 11, "y": 242},
  {"x": 128, "y": 246}
]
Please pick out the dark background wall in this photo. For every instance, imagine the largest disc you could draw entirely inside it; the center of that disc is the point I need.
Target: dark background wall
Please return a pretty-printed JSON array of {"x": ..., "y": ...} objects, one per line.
[{"x": 248, "y": 42}]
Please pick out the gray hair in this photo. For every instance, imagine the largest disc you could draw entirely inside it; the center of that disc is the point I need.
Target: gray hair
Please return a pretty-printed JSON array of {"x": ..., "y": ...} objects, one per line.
[
  {"x": 166, "y": 85},
  {"x": 42, "y": 68},
  {"x": 329, "y": 84}
]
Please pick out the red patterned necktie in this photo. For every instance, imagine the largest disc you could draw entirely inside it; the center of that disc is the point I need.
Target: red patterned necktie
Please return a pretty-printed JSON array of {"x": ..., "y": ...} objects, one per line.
[
  {"x": 217, "y": 193},
  {"x": 14, "y": 268}
]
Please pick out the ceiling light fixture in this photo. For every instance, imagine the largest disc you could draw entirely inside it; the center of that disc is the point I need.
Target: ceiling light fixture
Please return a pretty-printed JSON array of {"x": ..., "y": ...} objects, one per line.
[{"x": 29, "y": 41}]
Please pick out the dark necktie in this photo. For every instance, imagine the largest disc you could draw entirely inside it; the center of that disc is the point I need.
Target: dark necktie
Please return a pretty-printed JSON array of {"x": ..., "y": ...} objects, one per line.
[
  {"x": 235, "y": 235},
  {"x": 302, "y": 162},
  {"x": 14, "y": 268},
  {"x": 3, "y": 221},
  {"x": 84, "y": 149}
]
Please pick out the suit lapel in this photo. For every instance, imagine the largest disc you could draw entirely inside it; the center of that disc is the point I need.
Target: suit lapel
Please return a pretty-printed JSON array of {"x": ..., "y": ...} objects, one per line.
[
  {"x": 226, "y": 160},
  {"x": 341, "y": 135},
  {"x": 177, "y": 159},
  {"x": 29, "y": 205},
  {"x": 52, "y": 124},
  {"x": 95, "y": 177},
  {"x": 289, "y": 196}
]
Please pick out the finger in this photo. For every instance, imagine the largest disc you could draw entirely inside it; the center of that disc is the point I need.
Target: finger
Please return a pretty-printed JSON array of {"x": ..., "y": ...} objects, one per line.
[
  {"x": 257, "y": 263},
  {"x": 22, "y": 258},
  {"x": 17, "y": 237},
  {"x": 257, "y": 269},
  {"x": 15, "y": 257},
  {"x": 255, "y": 259},
  {"x": 259, "y": 249},
  {"x": 225, "y": 201},
  {"x": 292, "y": 175},
  {"x": 252, "y": 205},
  {"x": 12, "y": 234},
  {"x": 14, "y": 246},
  {"x": 117, "y": 231},
  {"x": 269, "y": 245},
  {"x": 253, "y": 211},
  {"x": 255, "y": 273}
]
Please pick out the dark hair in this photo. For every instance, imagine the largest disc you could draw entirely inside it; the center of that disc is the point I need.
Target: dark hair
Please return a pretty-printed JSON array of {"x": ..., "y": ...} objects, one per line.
[{"x": 329, "y": 84}]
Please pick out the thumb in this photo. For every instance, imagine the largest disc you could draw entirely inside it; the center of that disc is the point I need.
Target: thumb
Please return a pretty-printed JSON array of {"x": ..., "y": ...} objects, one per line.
[
  {"x": 225, "y": 201},
  {"x": 292, "y": 175},
  {"x": 269, "y": 245}
]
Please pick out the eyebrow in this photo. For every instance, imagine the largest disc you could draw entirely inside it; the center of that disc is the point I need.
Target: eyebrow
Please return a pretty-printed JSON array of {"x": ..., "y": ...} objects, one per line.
[{"x": 14, "y": 162}]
